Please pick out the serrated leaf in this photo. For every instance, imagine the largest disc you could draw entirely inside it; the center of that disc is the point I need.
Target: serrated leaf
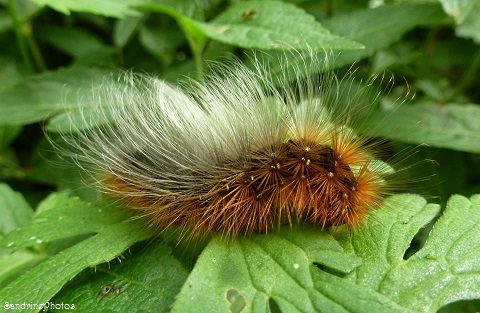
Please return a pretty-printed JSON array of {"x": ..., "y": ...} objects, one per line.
[
  {"x": 111, "y": 8},
  {"x": 59, "y": 217},
  {"x": 454, "y": 126},
  {"x": 272, "y": 25},
  {"x": 374, "y": 28},
  {"x": 277, "y": 267},
  {"x": 147, "y": 279},
  {"x": 14, "y": 210},
  {"x": 385, "y": 237},
  {"x": 103, "y": 247},
  {"x": 43, "y": 95},
  {"x": 458, "y": 9},
  {"x": 445, "y": 270}
]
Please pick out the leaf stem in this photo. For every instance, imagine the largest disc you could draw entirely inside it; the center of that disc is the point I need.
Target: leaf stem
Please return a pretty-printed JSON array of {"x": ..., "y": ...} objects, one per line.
[
  {"x": 196, "y": 40},
  {"x": 196, "y": 48},
  {"x": 197, "y": 56},
  {"x": 35, "y": 51},
  {"x": 22, "y": 46}
]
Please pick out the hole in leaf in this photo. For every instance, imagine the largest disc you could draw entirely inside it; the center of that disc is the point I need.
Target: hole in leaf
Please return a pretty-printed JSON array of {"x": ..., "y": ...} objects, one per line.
[
  {"x": 418, "y": 240},
  {"x": 319, "y": 266},
  {"x": 465, "y": 306},
  {"x": 274, "y": 308},
  {"x": 237, "y": 301},
  {"x": 329, "y": 270}
]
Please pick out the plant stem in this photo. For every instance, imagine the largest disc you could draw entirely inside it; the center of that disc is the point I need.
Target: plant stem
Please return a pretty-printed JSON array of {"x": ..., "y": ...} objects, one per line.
[
  {"x": 470, "y": 74},
  {"x": 196, "y": 47},
  {"x": 22, "y": 46},
  {"x": 196, "y": 40},
  {"x": 197, "y": 56},
  {"x": 35, "y": 51}
]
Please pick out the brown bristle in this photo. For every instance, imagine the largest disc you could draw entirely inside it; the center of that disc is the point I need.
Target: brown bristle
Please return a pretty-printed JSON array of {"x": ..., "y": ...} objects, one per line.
[{"x": 295, "y": 180}]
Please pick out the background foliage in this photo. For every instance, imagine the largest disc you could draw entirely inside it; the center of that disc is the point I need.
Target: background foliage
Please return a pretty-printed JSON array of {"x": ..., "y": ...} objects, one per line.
[{"x": 52, "y": 230}]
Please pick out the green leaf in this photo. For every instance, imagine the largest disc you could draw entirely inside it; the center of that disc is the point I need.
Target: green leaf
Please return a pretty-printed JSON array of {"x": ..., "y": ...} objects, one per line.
[
  {"x": 445, "y": 270},
  {"x": 183, "y": 12},
  {"x": 59, "y": 217},
  {"x": 111, "y": 8},
  {"x": 5, "y": 21},
  {"x": 43, "y": 95},
  {"x": 10, "y": 72},
  {"x": 175, "y": 8},
  {"x": 9, "y": 163},
  {"x": 109, "y": 243},
  {"x": 163, "y": 45},
  {"x": 147, "y": 279},
  {"x": 126, "y": 28},
  {"x": 25, "y": 11},
  {"x": 458, "y": 9},
  {"x": 8, "y": 134},
  {"x": 454, "y": 126},
  {"x": 13, "y": 265},
  {"x": 378, "y": 28},
  {"x": 273, "y": 25},
  {"x": 374, "y": 28},
  {"x": 76, "y": 42},
  {"x": 278, "y": 268},
  {"x": 470, "y": 28},
  {"x": 14, "y": 210}
]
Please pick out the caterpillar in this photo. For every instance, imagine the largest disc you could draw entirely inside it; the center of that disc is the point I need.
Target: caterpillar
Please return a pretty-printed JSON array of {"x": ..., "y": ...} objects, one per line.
[{"x": 237, "y": 153}]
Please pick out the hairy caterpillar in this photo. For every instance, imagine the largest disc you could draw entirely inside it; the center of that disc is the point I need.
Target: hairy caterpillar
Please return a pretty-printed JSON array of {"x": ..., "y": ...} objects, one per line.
[{"x": 234, "y": 154}]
